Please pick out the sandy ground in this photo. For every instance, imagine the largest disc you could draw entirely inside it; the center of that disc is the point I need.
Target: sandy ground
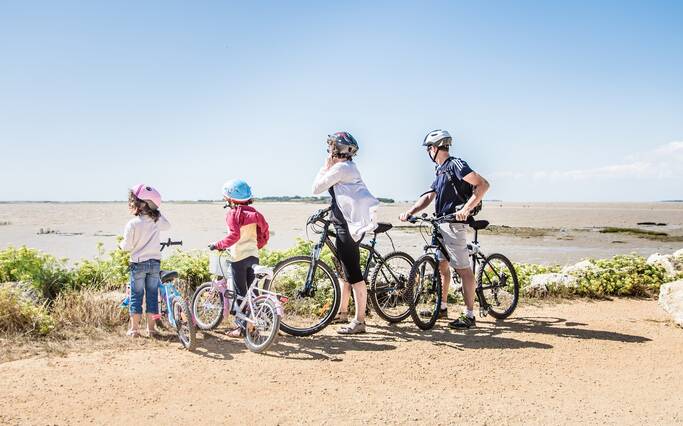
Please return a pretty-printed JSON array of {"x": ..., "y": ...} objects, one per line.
[
  {"x": 607, "y": 362},
  {"x": 82, "y": 226}
]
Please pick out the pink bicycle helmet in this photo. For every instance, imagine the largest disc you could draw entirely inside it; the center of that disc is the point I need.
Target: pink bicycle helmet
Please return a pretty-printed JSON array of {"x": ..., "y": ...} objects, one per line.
[{"x": 148, "y": 194}]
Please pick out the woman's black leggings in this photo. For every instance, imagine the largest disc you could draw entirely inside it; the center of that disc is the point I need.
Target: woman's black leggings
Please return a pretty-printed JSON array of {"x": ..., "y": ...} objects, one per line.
[
  {"x": 243, "y": 274},
  {"x": 349, "y": 254}
]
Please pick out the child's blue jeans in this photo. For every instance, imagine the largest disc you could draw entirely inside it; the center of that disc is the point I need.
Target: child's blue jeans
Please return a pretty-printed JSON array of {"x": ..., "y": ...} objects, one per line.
[{"x": 144, "y": 280}]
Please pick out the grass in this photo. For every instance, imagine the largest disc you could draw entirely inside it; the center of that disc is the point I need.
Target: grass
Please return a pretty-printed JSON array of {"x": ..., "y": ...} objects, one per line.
[{"x": 642, "y": 233}]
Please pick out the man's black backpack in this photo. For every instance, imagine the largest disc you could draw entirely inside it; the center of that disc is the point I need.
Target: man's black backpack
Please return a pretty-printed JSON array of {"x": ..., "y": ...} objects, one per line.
[{"x": 464, "y": 190}]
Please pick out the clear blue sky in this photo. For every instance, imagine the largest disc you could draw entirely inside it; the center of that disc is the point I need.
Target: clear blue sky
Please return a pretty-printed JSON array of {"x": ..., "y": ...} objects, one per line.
[{"x": 552, "y": 101}]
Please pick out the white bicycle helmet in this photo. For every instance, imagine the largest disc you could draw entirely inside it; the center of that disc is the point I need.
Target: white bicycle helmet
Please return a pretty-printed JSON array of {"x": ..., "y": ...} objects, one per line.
[{"x": 438, "y": 138}]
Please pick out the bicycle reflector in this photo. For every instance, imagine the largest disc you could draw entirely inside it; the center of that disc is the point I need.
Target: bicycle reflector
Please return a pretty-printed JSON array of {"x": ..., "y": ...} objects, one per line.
[{"x": 283, "y": 299}]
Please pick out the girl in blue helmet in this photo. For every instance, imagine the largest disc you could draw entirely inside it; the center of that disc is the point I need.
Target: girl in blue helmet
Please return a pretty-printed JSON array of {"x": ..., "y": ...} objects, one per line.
[
  {"x": 247, "y": 233},
  {"x": 353, "y": 214}
]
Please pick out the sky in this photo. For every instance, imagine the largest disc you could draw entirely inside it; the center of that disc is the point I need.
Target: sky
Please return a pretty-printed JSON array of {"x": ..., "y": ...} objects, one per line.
[{"x": 548, "y": 100}]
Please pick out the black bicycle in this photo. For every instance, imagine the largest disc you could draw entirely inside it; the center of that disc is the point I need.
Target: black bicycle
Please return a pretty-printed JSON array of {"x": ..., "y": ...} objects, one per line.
[
  {"x": 497, "y": 287},
  {"x": 312, "y": 287}
]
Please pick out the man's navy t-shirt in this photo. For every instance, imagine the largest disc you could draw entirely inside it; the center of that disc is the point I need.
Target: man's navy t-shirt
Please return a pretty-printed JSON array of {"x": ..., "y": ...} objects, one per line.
[{"x": 447, "y": 199}]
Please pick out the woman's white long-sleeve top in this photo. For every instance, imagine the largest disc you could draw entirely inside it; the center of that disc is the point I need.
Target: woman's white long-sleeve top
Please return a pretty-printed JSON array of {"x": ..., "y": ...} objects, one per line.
[{"x": 355, "y": 201}]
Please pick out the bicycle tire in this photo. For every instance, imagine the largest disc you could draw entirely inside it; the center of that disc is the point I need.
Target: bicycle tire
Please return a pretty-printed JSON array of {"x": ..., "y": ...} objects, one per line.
[
  {"x": 211, "y": 322},
  {"x": 185, "y": 328},
  {"x": 481, "y": 273},
  {"x": 378, "y": 296},
  {"x": 431, "y": 292},
  {"x": 266, "y": 311},
  {"x": 294, "y": 307}
]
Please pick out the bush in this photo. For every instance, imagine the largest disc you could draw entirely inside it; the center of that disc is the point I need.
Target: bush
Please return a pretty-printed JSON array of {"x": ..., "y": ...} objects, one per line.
[
  {"x": 101, "y": 274},
  {"x": 624, "y": 275},
  {"x": 192, "y": 267},
  {"x": 47, "y": 275},
  {"x": 527, "y": 270},
  {"x": 21, "y": 316},
  {"x": 88, "y": 308}
]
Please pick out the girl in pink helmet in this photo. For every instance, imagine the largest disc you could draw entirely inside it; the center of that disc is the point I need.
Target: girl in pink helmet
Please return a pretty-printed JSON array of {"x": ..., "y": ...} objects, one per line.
[{"x": 141, "y": 239}]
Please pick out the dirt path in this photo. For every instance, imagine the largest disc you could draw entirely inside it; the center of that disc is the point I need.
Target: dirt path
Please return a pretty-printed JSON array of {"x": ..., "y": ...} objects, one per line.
[{"x": 598, "y": 362}]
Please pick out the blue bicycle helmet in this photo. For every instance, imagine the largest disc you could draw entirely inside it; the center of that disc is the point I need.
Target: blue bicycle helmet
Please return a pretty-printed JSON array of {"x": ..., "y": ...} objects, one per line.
[{"x": 237, "y": 190}]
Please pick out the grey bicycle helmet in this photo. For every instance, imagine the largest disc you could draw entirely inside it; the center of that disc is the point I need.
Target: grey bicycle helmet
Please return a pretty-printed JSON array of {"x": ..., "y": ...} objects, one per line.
[
  {"x": 438, "y": 138},
  {"x": 342, "y": 144}
]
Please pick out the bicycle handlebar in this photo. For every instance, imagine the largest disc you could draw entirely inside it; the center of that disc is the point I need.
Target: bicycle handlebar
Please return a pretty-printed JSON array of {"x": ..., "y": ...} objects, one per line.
[
  {"x": 450, "y": 218},
  {"x": 169, "y": 243}
]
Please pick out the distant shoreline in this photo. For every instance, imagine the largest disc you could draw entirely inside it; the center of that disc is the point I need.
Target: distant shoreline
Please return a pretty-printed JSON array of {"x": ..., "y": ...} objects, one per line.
[{"x": 322, "y": 200}]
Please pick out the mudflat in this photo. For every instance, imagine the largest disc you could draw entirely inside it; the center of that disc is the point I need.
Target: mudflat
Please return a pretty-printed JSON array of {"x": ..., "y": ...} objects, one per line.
[{"x": 526, "y": 232}]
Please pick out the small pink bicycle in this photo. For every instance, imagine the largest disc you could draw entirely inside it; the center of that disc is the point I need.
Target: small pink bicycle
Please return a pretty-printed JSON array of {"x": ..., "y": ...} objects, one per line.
[{"x": 258, "y": 313}]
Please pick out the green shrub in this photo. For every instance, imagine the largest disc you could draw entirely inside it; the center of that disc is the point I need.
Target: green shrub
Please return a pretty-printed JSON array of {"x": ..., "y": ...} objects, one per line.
[
  {"x": 47, "y": 275},
  {"x": 21, "y": 316},
  {"x": 101, "y": 273},
  {"x": 623, "y": 275},
  {"x": 192, "y": 267}
]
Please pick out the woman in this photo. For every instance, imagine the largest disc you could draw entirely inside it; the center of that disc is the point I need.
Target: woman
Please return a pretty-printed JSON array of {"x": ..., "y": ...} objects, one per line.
[{"x": 353, "y": 214}]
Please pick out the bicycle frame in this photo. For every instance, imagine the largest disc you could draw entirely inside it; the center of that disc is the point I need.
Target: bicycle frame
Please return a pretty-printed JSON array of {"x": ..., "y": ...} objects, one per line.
[
  {"x": 326, "y": 240},
  {"x": 231, "y": 300},
  {"x": 168, "y": 292}
]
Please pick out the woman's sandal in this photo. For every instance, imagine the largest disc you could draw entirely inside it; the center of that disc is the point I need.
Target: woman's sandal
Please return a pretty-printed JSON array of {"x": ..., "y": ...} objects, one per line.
[
  {"x": 354, "y": 327},
  {"x": 153, "y": 334},
  {"x": 235, "y": 332},
  {"x": 340, "y": 318}
]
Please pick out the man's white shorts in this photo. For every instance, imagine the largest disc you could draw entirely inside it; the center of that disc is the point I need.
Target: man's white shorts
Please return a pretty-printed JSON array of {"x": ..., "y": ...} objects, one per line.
[{"x": 454, "y": 237}]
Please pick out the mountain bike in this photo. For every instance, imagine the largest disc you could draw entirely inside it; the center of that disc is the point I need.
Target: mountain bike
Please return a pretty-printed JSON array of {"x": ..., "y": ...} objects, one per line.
[
  {"x": 312, "y": 285},
  {"x": 174, "y": 311},
  {"x": 258, "y": 313},
  {"x": 497, "y": 287}
]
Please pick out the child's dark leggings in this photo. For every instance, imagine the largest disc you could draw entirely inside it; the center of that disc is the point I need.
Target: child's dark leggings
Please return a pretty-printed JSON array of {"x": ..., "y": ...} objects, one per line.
[{"x": 243, "y": 274}]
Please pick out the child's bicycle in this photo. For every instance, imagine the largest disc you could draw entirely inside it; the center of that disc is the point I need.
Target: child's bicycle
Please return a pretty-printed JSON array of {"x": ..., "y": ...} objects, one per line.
[
  {"x": 179, "y": 316},
  {"x": 497, "y": 287},
  {"x": 258, "y": 314}
]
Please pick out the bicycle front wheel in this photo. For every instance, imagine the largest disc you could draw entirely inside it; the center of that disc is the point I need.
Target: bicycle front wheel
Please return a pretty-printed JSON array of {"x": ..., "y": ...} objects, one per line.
[
  {"x": 424, "y": 290},
  {"x": 498, "y": 286},
  {"x": 389, "y": 287},
  {"x": 261, "y": 335},
  {"x": 310, "y": 306},
  {"x": 185, "y": 328}
]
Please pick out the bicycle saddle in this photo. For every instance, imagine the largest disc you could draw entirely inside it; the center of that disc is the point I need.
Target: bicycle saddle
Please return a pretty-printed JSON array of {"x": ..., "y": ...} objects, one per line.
[
  {"x": 479, "y": 224},
  {"x": 383, "y": 227},
  {"x": 167, "y": 276},
  {"x": 262, "y": 272}
]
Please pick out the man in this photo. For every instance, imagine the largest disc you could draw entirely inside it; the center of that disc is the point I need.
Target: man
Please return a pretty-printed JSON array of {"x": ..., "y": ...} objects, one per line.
[{"x": 457, "y": 189}]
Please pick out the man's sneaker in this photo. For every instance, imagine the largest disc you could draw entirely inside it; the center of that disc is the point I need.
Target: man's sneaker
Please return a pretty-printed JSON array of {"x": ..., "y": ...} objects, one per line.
[
  {"x": 427, "y": 313},
  {"x": 462, "y": 323}
]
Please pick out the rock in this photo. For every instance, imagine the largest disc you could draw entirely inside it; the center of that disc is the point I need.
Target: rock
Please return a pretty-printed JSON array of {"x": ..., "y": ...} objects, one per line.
[
  {"x": 665, "y": 261},
  {"x": 577, "y": 269},
  {"x": 671, "y": 300},
  {"x": 542, "y": 283},
  {"x": 25, "y": 289},
  {"x": 678, "y": 260}
]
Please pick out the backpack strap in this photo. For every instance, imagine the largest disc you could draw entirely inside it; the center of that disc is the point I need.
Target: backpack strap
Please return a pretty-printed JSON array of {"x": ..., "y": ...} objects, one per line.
[{"x": 452, "y": 179}]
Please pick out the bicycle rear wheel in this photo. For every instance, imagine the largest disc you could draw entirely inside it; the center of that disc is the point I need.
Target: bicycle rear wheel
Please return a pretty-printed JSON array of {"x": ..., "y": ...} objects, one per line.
[
  {"x": 498, "y": 286},
  {"x": 185, "y": 327},
  {"x": 306, "y": 312},
  {"x": 388, "y": 286},
  {"x": 260, "y": 336},
  {"x": 424, "y": 290}
]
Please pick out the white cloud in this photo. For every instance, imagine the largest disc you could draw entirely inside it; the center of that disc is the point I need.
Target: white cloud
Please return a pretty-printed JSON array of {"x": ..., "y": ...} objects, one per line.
[{"x": 664, "y": 162}]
